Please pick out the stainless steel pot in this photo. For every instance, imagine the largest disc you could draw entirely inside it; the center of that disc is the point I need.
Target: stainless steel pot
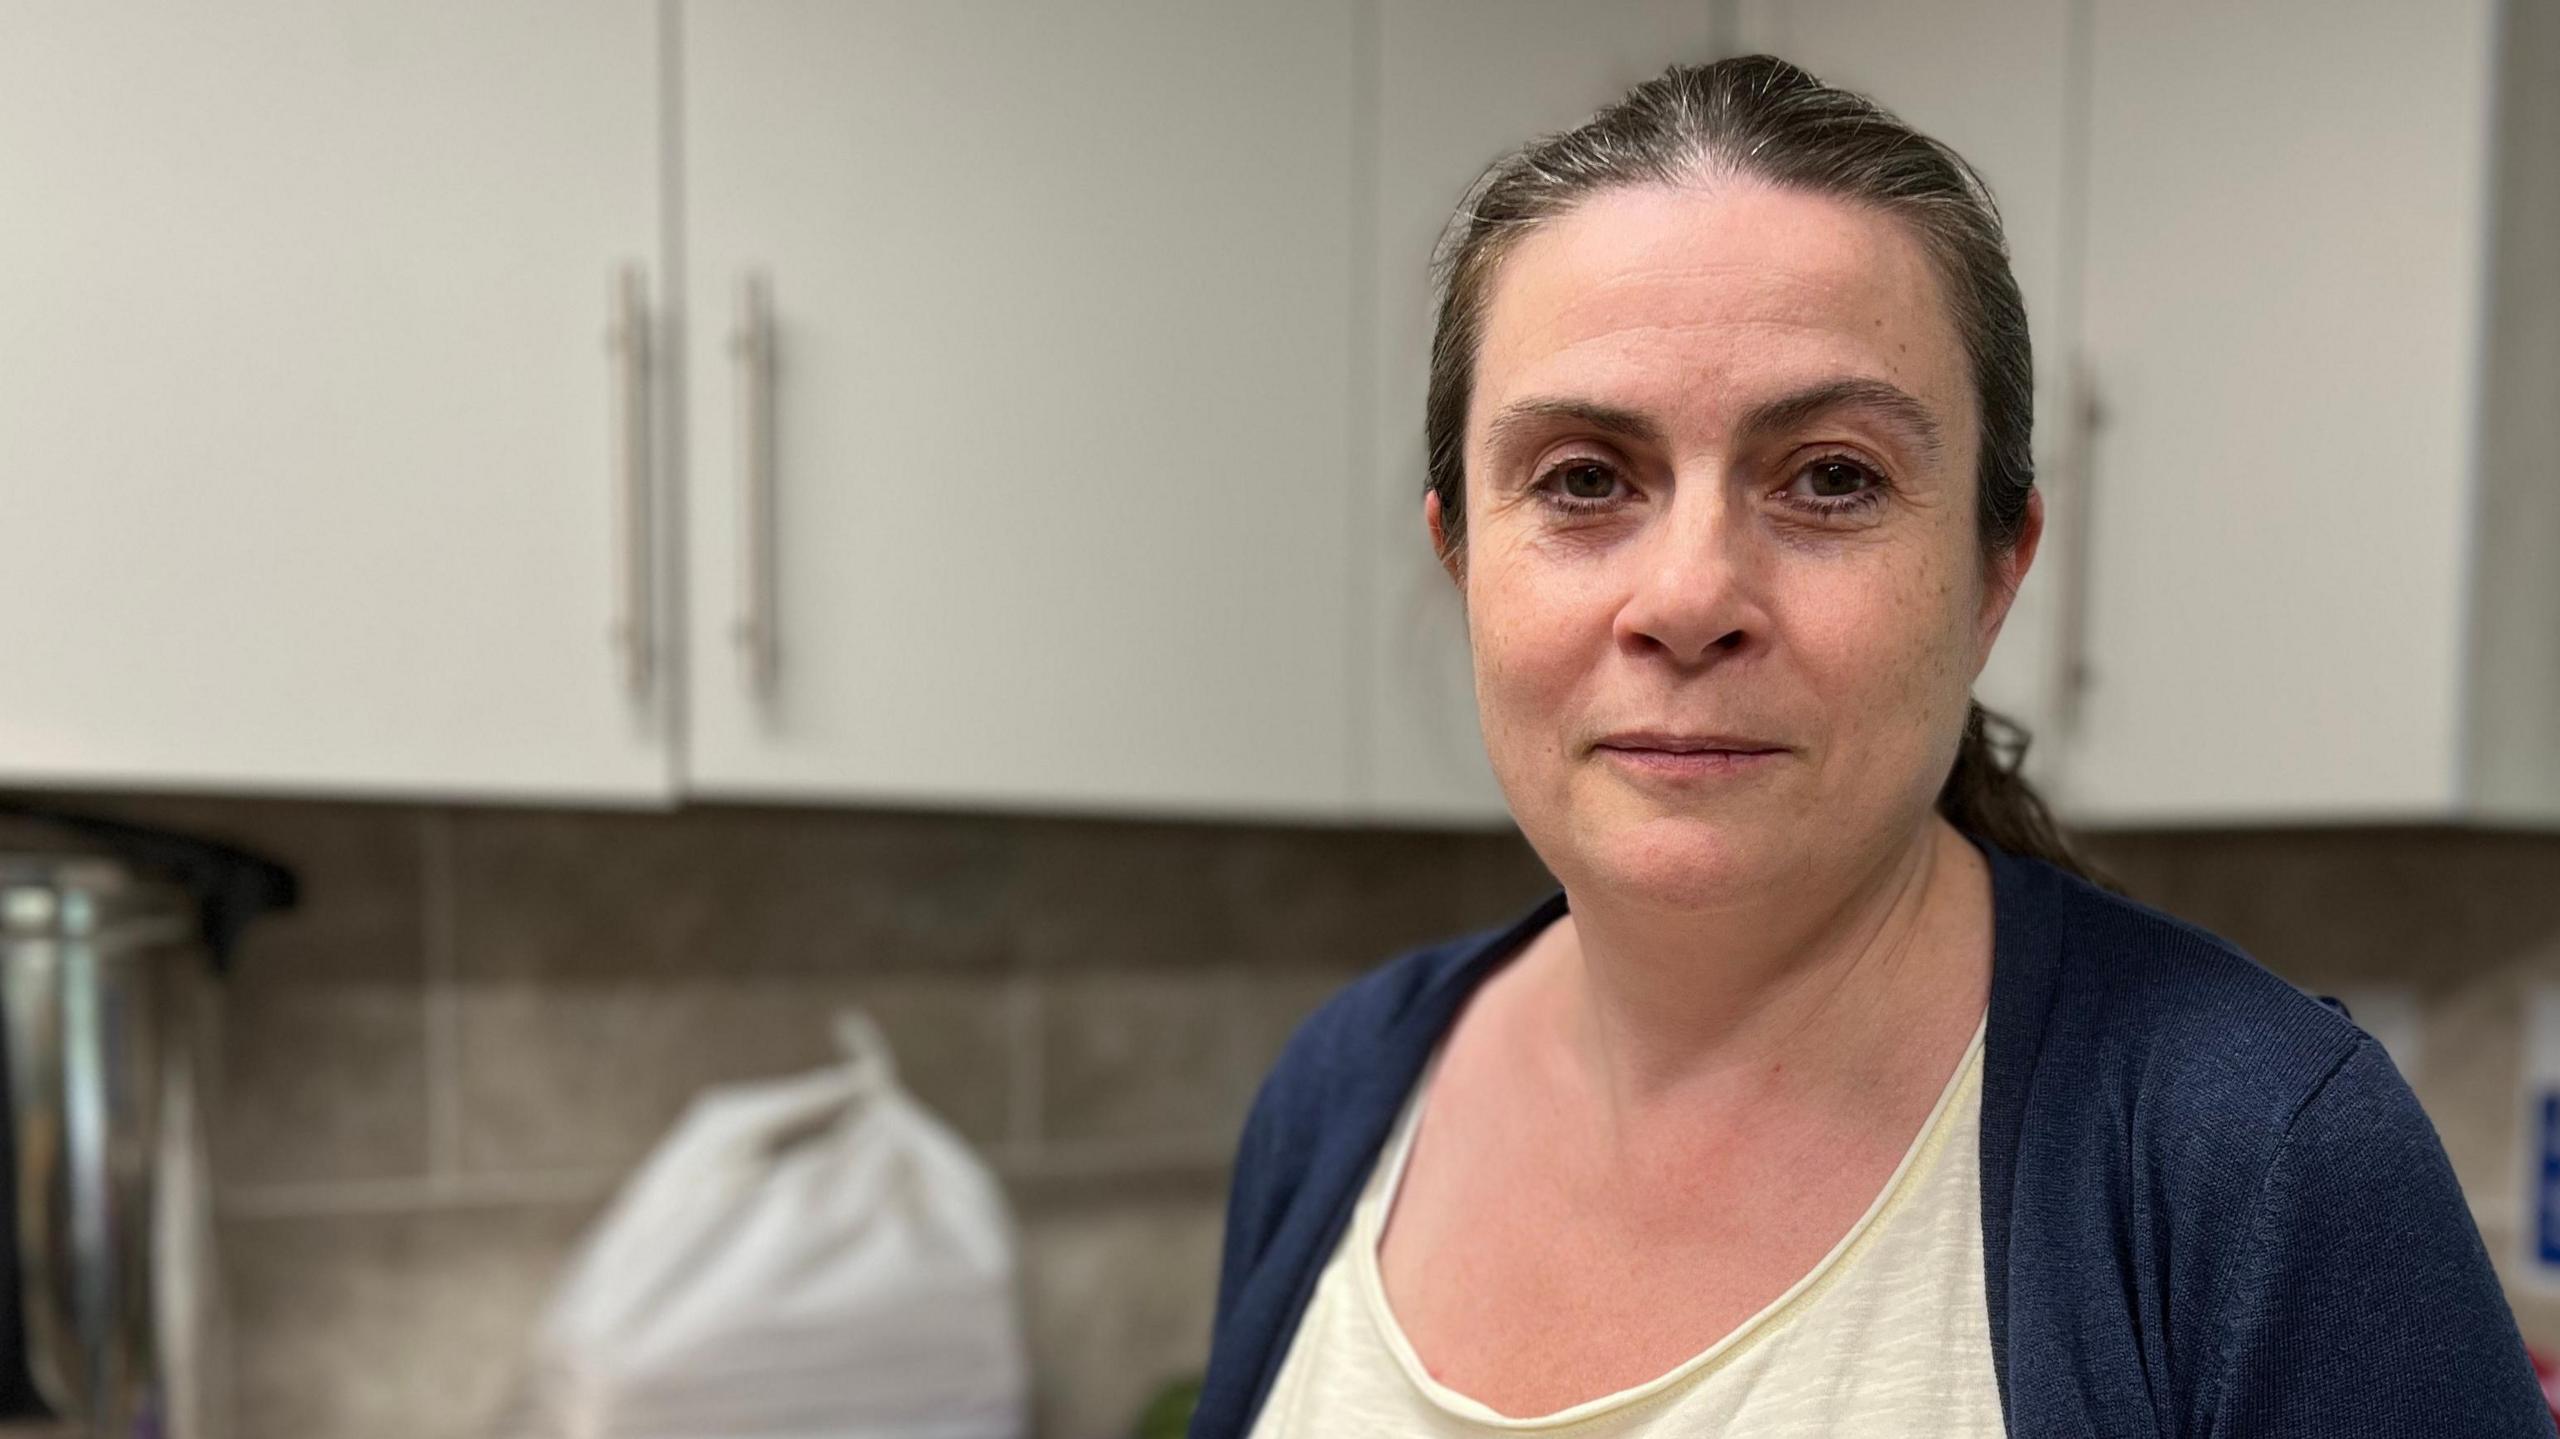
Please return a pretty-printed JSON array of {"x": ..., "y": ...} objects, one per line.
[{"x": 103, "y": 982}]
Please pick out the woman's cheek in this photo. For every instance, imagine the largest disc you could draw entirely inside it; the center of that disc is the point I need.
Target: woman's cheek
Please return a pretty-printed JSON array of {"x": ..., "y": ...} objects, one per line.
[
  {"x": 1523, "y": 627},
  {"x": 1522, "y": 683},
  {"x": 1886, "y": 654},
  {"x": 1920, "y": 662}
]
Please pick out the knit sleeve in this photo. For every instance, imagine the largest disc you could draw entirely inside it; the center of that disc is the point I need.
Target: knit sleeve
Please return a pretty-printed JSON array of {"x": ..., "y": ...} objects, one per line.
[
  {"x": 2364, "y": 1301},
  {"x": 1256, "y": 1193}
]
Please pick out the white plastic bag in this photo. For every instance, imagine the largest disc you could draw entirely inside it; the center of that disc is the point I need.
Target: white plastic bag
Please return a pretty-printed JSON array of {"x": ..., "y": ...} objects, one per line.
[{"x": 814, "y": 1258}]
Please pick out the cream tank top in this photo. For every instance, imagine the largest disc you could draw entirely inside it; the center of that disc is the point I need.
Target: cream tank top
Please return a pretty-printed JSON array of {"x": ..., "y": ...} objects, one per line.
[{"x": 1889, "y": 1334}]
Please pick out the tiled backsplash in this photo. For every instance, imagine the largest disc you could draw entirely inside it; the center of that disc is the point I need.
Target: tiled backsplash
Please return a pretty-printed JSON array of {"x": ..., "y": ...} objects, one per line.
[{"x": 437, "y": 1070}]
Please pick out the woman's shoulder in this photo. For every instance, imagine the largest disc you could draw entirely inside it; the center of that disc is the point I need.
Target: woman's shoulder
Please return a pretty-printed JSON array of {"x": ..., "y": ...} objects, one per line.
[
  {"x": 2295, "y": 1252},
  {"x": 2192, "y": 1048}
]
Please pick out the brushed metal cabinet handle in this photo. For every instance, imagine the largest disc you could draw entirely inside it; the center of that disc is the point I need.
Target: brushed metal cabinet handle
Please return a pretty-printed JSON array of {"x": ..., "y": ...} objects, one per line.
[
  {"x": 2071, "y": 671},
  {"x": 627, "y": 342},
  {"x": 751, "y": 349}
]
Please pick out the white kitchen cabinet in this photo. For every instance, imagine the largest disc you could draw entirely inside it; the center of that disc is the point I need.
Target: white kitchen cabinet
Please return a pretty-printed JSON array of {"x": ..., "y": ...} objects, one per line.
[
  {"x": 2323, "y": 322},
  {"x": 1076, "y": 462},
  {"x": 310, "y": 474},
  {"x": 1056, "y": 451},
  {"x": 1991, "y": 78},
  {"x": 1460, "y": 82}
]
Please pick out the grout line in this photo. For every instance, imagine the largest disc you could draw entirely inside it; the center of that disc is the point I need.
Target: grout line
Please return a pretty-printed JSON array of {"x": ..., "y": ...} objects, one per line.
[
  {"x": 1108, "y": 1158},
  {"x": 442, "y": 998},
  {"x": 1029, "y": 1056},
  {"x": 1013, "y": 1159},
  {"x": 329, "y": 1197}
]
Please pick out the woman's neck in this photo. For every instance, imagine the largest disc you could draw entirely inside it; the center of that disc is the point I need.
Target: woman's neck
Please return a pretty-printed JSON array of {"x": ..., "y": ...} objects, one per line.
[{"x": 1818, "y": 1000}]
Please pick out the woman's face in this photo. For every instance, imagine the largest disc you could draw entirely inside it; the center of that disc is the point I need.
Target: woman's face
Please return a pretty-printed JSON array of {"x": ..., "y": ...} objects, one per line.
[{"x": 1720, "y": 490}]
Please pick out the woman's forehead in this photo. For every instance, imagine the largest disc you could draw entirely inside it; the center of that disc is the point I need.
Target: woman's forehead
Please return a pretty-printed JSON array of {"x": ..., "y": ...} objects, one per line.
[{"x": 1706, "y": 299}]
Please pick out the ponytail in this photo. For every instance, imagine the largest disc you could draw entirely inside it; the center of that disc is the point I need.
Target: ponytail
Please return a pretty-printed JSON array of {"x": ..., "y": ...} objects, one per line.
[{"x": 1986, "y": 796}]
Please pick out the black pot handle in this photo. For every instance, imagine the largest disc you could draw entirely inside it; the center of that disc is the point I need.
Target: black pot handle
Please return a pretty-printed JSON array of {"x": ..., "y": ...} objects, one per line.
[{"x": 230, "y": 885}]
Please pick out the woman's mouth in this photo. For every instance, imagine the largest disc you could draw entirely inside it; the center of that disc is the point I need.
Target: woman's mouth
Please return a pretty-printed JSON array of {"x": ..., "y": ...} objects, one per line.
[{"x": 1689, "y": 759}]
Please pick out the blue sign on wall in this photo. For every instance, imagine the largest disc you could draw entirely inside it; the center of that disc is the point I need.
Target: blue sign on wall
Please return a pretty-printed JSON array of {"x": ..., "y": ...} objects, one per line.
[{"x": 2546, "y": 1198}]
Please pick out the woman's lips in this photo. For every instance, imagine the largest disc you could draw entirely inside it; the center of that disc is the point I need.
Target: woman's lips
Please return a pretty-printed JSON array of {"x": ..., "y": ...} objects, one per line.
[{"x": 1689, "y": 764}]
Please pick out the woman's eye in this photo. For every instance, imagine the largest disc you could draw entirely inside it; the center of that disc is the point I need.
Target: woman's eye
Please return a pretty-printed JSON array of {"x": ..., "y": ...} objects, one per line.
[
  {"x": 1581, "y": 484},
  {"x": 1836, "y": 482},
  {"x": 1586, "y": 481}
]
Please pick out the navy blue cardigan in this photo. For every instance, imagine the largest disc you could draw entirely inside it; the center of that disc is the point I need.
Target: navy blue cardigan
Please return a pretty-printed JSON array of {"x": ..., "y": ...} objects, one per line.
[{"x": 2210, "y": 1205}]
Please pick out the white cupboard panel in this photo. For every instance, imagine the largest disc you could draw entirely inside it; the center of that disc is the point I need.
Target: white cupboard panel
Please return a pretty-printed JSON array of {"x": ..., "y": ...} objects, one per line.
[
  {"x": 2513, "y": 752},
  {"x": 309, "y": 471},
  {"x": 1062, "y": 308},
  {"x": 2284, "y": 280}
]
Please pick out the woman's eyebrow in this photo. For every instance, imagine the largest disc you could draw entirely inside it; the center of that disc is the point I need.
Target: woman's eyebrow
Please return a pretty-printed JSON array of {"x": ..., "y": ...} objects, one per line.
[
  {"x": 1892, "y": 403},
  {"x": 1533, "y": 414}
]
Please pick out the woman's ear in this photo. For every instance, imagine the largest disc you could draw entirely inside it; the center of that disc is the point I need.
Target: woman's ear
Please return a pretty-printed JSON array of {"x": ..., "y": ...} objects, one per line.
[
  {"x": 2009, "y": 570},
  {"x": 1439, "y": 539}
]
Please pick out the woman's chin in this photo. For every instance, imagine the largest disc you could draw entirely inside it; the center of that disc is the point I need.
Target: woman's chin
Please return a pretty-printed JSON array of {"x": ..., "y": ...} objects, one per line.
[{"x": 1684, "y": 861}]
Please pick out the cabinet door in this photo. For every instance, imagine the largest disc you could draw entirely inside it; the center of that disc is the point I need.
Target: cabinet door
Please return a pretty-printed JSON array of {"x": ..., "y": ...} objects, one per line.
[
  {"x": 1460, "y": 83},
  {"x": 310, "y": 470},
  {"x": 1060, "y": 305},
  {"x": 1990, "y": 79},
  {"x": 2283, "y": 282}
]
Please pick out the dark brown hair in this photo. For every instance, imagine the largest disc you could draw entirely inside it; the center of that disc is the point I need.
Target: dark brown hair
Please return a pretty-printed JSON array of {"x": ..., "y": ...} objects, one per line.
[{"x": 1760, "y": 117}]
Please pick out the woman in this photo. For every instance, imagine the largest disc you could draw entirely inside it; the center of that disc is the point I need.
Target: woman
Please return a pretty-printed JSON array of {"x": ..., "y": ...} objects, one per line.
[{"x": 1825, "y": 1097}]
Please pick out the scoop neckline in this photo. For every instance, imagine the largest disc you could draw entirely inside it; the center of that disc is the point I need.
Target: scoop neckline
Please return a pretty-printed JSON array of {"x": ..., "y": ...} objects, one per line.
[{"x": 1368, "y": 1231}]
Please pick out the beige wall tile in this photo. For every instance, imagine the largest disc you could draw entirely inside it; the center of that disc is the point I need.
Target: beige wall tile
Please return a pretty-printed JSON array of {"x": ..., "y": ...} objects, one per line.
[
  {"x": 1333, "y": 899},
  {"x": 1110, "y": 896},
  {"x": 2356, "y": 905},
  {"x": 415, "y": 1326},
  {"x": 1119, "y": 1298},
  {"x": 319, "y": 1082},
  {"x": 387, "y": 1326},
  {"x": 1504, "y": 878},
  {"x": 1123, "y": 896},
  {"x": 1152, "y": 1061},
  {"x": 723, "y": 892},
  {"x": 565, "y": 1076}
]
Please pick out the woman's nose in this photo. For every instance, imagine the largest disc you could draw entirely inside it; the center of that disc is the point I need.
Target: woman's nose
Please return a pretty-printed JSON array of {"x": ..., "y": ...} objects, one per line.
[{"x": 1690, "y": 596}]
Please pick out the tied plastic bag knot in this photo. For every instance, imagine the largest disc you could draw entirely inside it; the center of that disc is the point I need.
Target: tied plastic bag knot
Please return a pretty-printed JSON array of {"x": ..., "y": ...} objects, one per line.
[
  {"x": 868, "y": 1061},
  {"x": 816, "y": 1257}
]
